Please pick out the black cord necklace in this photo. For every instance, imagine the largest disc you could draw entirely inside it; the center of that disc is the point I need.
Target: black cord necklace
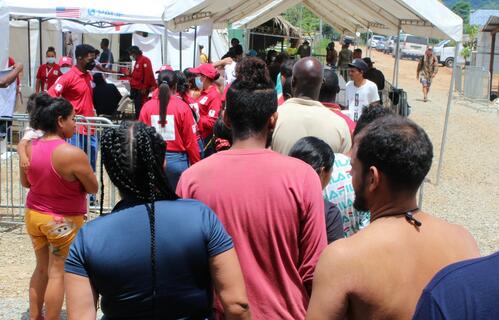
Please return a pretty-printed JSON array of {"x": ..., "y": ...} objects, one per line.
[{"x": 409, "y": 216}]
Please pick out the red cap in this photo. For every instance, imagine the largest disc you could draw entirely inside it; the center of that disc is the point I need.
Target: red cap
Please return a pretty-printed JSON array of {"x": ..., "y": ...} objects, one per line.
[
  {"x": 206, "y": 69},
  {"x": 164, "y": 67},
  {"x": 65, "y": 61}
]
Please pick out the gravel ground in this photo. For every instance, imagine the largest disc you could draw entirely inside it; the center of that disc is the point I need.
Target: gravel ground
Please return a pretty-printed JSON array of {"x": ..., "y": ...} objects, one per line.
[{"x": 467, "y": 194}]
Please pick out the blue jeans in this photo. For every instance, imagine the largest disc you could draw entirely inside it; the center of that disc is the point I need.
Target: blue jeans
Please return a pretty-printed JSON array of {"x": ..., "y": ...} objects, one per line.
[
  {"x": 176, "y": 163},
  {"x": 201, "y": 148},
  {"x": 81, "y": 141}
]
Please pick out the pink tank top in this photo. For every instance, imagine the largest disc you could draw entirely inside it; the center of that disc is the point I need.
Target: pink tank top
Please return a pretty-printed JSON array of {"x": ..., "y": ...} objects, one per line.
[{"x": 49, "y": 192}]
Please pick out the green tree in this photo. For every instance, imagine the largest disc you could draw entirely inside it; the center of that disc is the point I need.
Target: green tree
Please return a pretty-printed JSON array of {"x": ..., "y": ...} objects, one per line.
[{"x": 462, "y": 8}]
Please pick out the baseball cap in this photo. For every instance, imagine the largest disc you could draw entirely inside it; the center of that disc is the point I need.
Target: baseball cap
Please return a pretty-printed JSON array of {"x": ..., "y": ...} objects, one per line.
[
  {"x": 164, "y": 67},
  {"x": 68, "y": 61},
  {"x": 206, "y": 69},
  {"x": 359, "y": 64}
]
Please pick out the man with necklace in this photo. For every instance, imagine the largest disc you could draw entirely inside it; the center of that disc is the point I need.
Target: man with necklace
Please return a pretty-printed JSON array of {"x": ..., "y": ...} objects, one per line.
[{"x": 380, "y": 272}]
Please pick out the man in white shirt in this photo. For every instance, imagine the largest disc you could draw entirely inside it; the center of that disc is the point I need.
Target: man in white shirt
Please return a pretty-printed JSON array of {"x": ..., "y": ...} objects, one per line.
[{"x": 360, "y": 92}]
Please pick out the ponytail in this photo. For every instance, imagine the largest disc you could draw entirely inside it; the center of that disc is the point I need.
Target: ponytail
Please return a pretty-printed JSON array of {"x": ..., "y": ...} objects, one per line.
[
  {"x": 167, "y": 82},
  {"x": 164, "y": 99}
]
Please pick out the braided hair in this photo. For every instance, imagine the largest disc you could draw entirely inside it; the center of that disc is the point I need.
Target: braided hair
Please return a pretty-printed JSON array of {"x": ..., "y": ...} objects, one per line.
[{"x": 133, "y": 155}]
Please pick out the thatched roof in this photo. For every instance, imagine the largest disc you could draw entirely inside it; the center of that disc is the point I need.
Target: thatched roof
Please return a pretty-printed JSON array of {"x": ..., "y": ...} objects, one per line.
[{"x": 279, "y": 26}]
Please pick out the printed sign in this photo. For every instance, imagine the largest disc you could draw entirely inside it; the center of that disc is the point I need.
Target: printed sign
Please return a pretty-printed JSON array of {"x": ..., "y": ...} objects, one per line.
[{"x": 168, "y": 131}]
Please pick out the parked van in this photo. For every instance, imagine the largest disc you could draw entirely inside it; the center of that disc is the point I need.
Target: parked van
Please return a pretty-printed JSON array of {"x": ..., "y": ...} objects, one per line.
[
  {"x": 444, "y": 51},
  {"x": 412, "y": 46},
  {"x": 374, "y": 40}
]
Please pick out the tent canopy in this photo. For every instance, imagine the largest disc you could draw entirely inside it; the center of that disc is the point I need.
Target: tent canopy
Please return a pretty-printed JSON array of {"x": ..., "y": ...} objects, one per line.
[
  {"x": 145, "y": 11},
  {"x": 428, "y": 18}
]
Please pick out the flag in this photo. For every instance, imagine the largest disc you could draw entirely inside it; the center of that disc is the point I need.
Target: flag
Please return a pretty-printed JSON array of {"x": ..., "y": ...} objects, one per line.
[
  {"x": 278, "y": 89},
  {"x": 61, "y": 12}
]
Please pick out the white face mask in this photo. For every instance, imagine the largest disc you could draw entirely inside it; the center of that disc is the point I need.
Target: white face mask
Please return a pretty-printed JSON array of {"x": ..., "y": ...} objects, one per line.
[
  {"x": 65, "y": 69},
  {"x": 50, "y": 60}
]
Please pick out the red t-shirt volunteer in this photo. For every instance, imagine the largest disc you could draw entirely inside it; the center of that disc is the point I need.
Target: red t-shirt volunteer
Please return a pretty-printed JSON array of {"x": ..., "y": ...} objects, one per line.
[
  {"x": 48, "y": 75},
  {"x": 209, "y": 103},
  {"x": 76, "y": 87},
  {"x": 180, "y": 129},
  {"x": 142, "y": 75}
]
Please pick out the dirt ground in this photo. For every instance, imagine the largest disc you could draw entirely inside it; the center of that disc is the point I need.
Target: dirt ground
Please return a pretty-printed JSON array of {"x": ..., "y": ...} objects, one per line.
[{"x": 467, "y": 194}]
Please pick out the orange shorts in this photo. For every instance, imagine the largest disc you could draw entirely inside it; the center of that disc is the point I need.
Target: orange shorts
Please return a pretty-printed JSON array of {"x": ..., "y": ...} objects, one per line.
[{"x": 56, "y": 231}]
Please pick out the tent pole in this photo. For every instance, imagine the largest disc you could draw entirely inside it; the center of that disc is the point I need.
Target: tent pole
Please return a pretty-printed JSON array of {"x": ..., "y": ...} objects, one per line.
[
  {"x": 40, "y": 37},
  {"x": 29, "y": 55},
  {"x": 195, "y": 40},
  {"x": 397, "y": 58},
  {"x": 180, "y": 47},
  {"x": 367, "y": 39},
  {"x": 209, "y": 48},
  {"x": 447, "y": 113},
  {"x": 165, "y": 43},
  {"x": 491, "y": 63}
]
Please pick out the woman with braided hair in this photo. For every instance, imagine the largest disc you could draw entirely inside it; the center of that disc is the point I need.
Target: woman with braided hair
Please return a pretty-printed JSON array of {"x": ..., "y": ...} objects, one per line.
[
  {"x": 154, "y": 256},
  {"x": 173, "y": 119}
]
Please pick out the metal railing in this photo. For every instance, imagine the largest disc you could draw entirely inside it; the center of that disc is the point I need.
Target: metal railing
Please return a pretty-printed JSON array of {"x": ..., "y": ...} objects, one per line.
[
  {"x": 12, "y": 193},
  {"x": 395, "y": 99}
]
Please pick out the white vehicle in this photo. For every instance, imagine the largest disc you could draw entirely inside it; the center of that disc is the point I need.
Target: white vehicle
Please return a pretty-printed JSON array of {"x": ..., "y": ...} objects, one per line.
[
  {"x": 412, "y": 46},
  {"x": 444, "y": 51},
  {"x": 390, "y": 44},
  {"x": 373, "y": 41}
]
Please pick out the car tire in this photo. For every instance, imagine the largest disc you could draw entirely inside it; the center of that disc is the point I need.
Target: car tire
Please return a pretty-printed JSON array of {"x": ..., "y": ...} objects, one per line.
[{"x": 449, "y": 62}]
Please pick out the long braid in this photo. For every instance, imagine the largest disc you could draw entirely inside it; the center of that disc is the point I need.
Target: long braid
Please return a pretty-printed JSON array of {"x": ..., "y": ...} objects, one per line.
[
  {"x": 133, "y": 155},
  {"x": 144, "y": 146}
]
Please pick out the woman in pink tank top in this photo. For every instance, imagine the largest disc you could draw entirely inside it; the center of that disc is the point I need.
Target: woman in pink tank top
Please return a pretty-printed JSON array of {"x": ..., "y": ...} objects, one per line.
[{"x": 59, "y": 177}]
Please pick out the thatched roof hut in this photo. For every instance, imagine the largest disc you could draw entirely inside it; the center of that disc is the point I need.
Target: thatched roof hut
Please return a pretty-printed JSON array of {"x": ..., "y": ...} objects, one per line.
[{"x": 273, "y": 32}]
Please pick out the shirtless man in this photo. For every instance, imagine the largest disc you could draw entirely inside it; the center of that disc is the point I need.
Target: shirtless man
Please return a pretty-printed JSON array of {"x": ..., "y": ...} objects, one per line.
[{"x": 380, "y": 272}]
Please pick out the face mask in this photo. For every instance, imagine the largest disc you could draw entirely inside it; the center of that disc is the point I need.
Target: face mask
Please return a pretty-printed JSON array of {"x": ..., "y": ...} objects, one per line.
[
  {"x": 305, "y": 47},
  {"x": 132, "y": 58},
  {"x": 50, "y": 60},
  {"x": 199, "y": 83},
  {"x": 272, "y": 59},
  {"x": 65, "y": 69},
  {"x": 90, "y": 65}
]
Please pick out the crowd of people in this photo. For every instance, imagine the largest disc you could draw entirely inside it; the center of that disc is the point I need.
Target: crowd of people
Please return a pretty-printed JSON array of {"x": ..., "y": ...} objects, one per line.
[{"x": 242, "y": 196}]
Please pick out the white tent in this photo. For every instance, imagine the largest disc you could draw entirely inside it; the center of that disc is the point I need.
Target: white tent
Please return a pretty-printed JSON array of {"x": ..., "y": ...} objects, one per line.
[
  {"x": 428, "y": 18},
  {"x": 130, "y": 11},
  {"x": 420, "y": 17},
  {"x": 92, "y": 20}
]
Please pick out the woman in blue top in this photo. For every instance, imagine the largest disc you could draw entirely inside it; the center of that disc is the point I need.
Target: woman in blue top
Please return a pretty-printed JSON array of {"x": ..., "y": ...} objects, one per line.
[{"x": 154, "y": 256}]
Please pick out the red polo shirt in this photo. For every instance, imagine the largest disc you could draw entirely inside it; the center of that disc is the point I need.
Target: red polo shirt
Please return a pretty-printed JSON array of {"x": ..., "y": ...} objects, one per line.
[
  {"x": 179, "y": 131},
  {"x": 48, "y": 75},
  {"x": 76, "y": 87},
  {"x": 142, "y": 75},
  {"x": 209, "y": 104}
]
